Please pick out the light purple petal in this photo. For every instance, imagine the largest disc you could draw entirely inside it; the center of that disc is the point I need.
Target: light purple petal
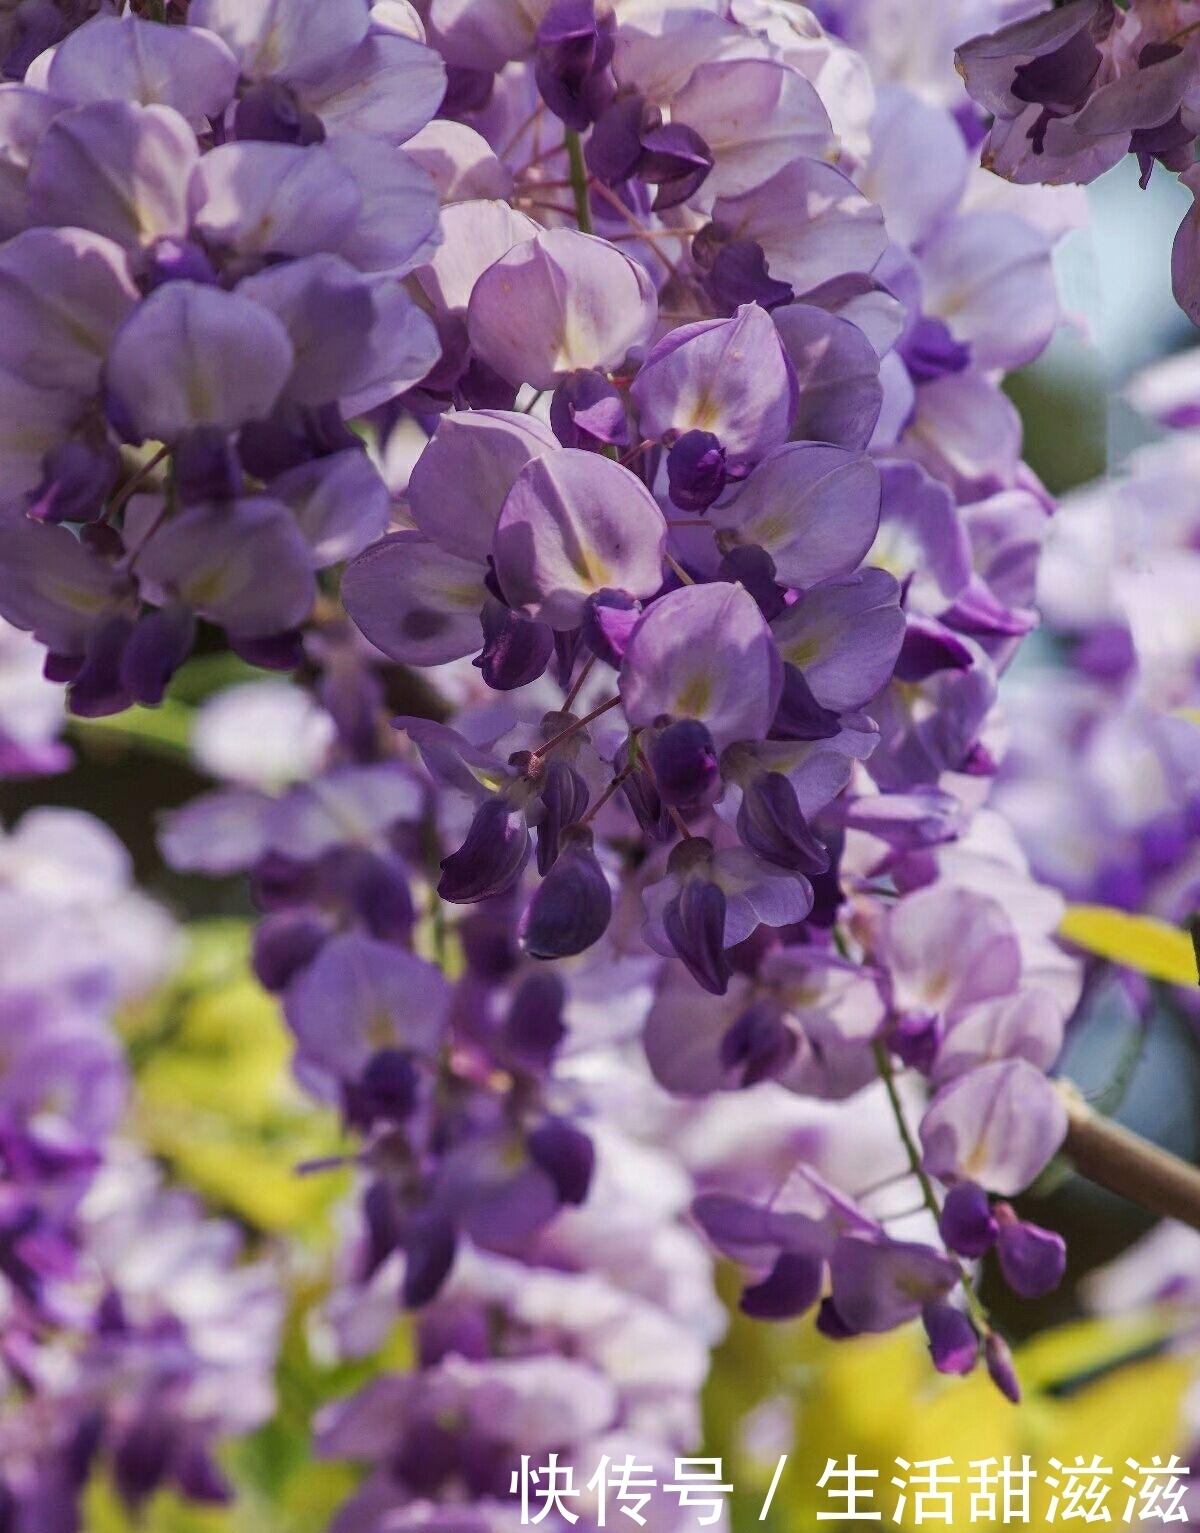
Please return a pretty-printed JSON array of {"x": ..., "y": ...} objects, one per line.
[
  {"x": 415, "y": 602},
  {"x": 727, "y": 376},
  {"x": 117, "y": 169},
  {"x": 558, "y": 302},
  {"x": 126, "y": 59},
  {"x": 397, "y": 227},
  {"x": 845, "y": 636},
  {"x": 813, "y": 507},
  {"x": 340, "y": 504},
  {"x": 25, "y": 114},
  {"x": 52, "y": 585},
  {"x": 921, "y": 540},
  {"x": 284, "y": 39},
  {"x": 704, "y": 652},
  {"x": 999, "y": 1126},
  {"x": 273, "y": 199},
  {"x": 245, "y": 567},
  {"x": 64, "y": 293},
  {"x": 390, "y": 86},
  {"x": 575, "y": 523},
  {"x": 217, "y": 833},
  {"x": 1026, "y": 1026},
  {"x": 837, "y": 370},
  {"x": 917, "y": 170},
  {"x": 461, "y": 480},
  {"x": 948, "y": 948},
  {"x": 474, "y": 236}
]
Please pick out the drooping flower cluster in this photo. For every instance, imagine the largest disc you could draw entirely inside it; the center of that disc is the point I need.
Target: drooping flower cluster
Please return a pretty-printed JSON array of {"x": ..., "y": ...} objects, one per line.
[
  {"x": 1072, "y": 90},
  {"x": 683, "y": 525},
  {"x": 203, "y": 226},
  {"x": 133, "y": 1341}
]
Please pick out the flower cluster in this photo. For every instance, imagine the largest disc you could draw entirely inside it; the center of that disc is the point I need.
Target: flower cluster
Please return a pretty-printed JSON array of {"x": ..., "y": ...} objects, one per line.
[
  {"x": 132, "y": 1337},
  {"x": 1075, "y": 89},
  {"x": 683, "y": 534}
]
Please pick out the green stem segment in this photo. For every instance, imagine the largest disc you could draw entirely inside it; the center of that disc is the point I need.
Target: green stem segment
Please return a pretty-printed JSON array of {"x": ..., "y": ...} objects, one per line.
[
  {"x": 887, "y": 1075},
  {"x": 579, "y": 181}
]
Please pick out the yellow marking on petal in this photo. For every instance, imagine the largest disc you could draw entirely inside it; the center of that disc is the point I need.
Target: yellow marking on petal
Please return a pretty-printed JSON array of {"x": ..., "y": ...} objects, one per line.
[{"x": 694, "y": 700}]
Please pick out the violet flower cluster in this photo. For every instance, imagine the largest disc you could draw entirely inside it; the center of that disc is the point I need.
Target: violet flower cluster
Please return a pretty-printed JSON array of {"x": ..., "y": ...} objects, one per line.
[
  {"x": 134, "y": 1339},
  {"x": 1074, "y": 89},
  {"x": 639, "y": 370}
]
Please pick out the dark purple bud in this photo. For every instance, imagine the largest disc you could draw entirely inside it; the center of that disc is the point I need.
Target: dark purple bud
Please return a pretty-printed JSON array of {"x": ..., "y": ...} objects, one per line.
[
  {"x": 967, "y": 1223},
  {"x": 143, "y": 1458},
  {"x": 614, "y": 146},
  {"x": 374, "y": 887},
  {"x": 96, "y": 689},
  {"x": 386, "y": 1092},
  {"x": 753, "y": 568},
  {"x": 200, "y": 1478},
  {"x": 791, "y": 1288},
  {"x": 609, "y": 619},
  {"x": 771, "y": 824},
  {"x": 566, "y": 1155},
  {"x": 467, "y": 91},
  {"x": 642, "y": 796},
  {"x": 830, "y": 1324},
  {"x": 567, "y": 642},
  {"x": 573, "y": 50},
  {"x": 930, "y": 351},
  {"x": 384, "y": 1228},
  {"x": 489, "y": 945},
  {"x": 481, "y": 387},
  {"x": 429, "y": 1244},
  {"x": 492, "y": 857},
  {"x": 172, "y": 260},
  {"x": 676, "y": 160},
  {"x": 696, "y": 470},
  {"x": 738, "y": 274},
  {"x": 916, "y": 1038},
  {"x": 61, "y": 669},
  {"x": 686, "y": 765},
  {"x": 1000, "y": 1367},
  {"x": 277, "y": 882},
  {"x": 564, "y": 797},
  {"x": 284, "y": 944},
  {"x": 759, "y": 1045},
  {"x": 533, "y": 1028},
  {"x": 207, "y": 467},
  {"x": 695, "y": 925},
  {"x": 77, "y": 479},
  {"x": 273, "y": 652},
  {"x": 516, "y": 649},
  {"x": 572, "y": 906},
  {"x": 953, "y": 1342},
  {"x": 270, "y": 112},
  {"x": 1032, "y": 1259},
  {"x": 930, "y": 647},
  {"x": 272, "y": 447},
  {"x": 159, "y": 644},
  {"x": 799, "y": 715},
  {"x": 587, "y": 411}
]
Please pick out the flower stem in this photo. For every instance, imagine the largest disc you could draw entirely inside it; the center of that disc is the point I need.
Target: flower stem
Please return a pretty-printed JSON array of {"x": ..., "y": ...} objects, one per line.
[
  {"x": 573, "y": 728},
  {"x": 579, "y": 181},
  {"x": 887, "y": 1075}
]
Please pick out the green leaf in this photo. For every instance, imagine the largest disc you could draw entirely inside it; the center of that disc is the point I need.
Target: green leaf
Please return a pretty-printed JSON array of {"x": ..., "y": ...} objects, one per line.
[{"x": 1143, "y": 943}]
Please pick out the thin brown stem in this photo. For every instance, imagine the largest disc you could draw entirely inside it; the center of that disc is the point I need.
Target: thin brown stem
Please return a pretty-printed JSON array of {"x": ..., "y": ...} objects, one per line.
[
  {"x": 563, "y": 735},
  {"x": 577, "y": 686},
  {"x": 133, "y": 484},
  {"x": 621, "y": 777},
  {"x": 1116, "y": 1158}
]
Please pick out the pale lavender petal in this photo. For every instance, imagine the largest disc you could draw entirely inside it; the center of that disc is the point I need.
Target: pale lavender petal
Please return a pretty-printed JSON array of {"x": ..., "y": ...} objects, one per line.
[
  {"x": 64, "y": 294},
  {"x": 117, "y": 169},
  {"x": 575, "y": 523},
  {"x": 730, "y": 377},
  {"x": 217, "y": 833},
  {"x": 340, "y": 503},
  {"x": 245, "y": 567},
  {"x": 474, "y": 236},
  {"x": 415, "y": 602},
  {"x": 273, "y": 199},
  {"x": 917, "y": 170},
  {"x": 948, "y": 948},
  {"x": 704, "y": 652},
  {"x": 193, "y": 355},
  {"x": 559, "y": 302},
  {"x": 25, "y": 115},
  {"x": 460, "y": 481},
  {"x": 1025, "y": 1026},
  {"x": 838, "y": 374},
  {"x": 921, "y": 540},
  {"x": 53, "y": 586},
  {"x": 461, "y": 162},
  {"x": 390, "y": 86},
  {"x": 813, "y": 507},
  {"x": 126, "y": 59},
  {"x": 397, "y": 227},
  {"x": 288, "y": 41},
  {"x": 844, "y": 636},
  {"x": 999, "y": 1126}
]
